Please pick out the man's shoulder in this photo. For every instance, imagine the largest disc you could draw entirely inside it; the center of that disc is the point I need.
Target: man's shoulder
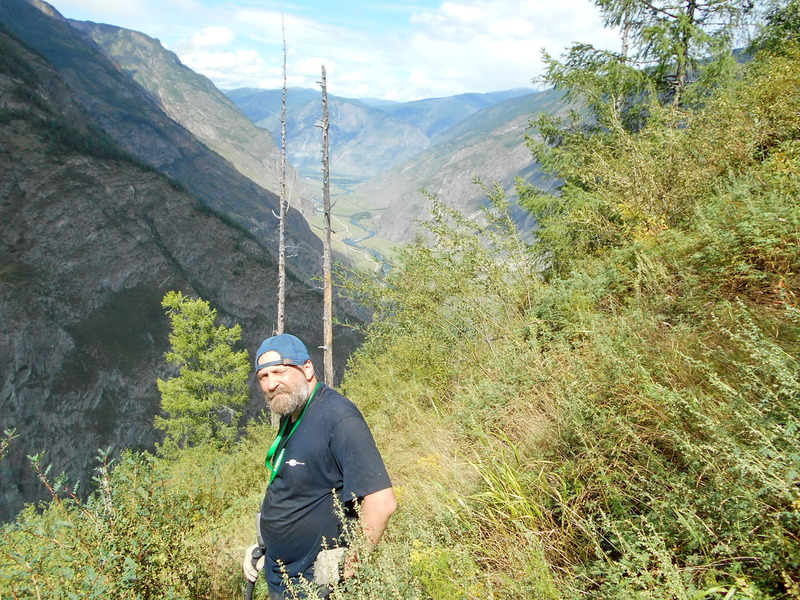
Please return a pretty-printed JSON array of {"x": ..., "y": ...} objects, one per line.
[{"x": 338, "y": 405}]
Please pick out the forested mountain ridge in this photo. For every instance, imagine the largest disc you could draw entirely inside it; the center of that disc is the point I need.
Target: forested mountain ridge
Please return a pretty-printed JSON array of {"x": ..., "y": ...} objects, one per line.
[
  {"x": 366, "y": 138},
  {"x": 107, "y": 114}
]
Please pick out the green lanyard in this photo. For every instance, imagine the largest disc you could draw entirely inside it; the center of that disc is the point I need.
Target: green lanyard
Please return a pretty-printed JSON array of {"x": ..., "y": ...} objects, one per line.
[{"x": 274, "y": 465}]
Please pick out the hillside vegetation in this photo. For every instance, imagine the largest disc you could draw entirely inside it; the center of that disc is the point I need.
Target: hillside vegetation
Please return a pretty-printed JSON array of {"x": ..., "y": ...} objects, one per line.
[{"x": 611, "y": 412}]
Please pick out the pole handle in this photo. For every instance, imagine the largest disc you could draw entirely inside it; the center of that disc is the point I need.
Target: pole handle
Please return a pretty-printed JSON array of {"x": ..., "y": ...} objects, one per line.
[{"x": 257, "y": 553}]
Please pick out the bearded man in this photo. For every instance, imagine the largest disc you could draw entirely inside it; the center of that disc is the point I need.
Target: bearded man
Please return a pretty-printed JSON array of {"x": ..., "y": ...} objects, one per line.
[{"x": 323, "y": 449}]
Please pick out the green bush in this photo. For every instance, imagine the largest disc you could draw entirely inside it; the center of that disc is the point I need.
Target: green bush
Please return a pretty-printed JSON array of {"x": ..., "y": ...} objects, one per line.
[
  {"x": 703, "y": 478},
  {"x": 135, "y": 537}
]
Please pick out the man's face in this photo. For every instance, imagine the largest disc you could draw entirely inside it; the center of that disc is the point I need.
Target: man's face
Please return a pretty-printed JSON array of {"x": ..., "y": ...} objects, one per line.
[{"x": 285, "y": 387}]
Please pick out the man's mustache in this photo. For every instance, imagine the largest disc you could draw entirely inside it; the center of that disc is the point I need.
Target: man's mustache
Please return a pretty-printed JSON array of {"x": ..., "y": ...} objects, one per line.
[{"x": 279, "y": 390}]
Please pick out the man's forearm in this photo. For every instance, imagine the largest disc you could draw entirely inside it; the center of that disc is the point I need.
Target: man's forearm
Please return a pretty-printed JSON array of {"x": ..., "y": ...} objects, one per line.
[{"x": 376, "y": 509}]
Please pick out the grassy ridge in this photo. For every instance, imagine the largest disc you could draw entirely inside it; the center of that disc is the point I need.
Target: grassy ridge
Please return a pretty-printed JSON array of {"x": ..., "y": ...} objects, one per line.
[{"x": 627, "y": 425}]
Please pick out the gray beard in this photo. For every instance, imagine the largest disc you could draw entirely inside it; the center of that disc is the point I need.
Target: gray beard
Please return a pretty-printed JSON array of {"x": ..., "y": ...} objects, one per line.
[{"x": 285, "y": 403}]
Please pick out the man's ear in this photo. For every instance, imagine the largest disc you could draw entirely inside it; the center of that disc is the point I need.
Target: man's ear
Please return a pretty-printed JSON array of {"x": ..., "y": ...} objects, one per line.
[{"x": 308, "y": 369}]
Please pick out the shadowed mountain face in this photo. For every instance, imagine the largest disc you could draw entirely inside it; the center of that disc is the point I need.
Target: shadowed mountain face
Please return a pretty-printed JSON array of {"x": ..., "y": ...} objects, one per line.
[
  {"x": 192, "y": 100},
  {"x": 130, "y": 116},
  {"x": 105, "y": 204}
]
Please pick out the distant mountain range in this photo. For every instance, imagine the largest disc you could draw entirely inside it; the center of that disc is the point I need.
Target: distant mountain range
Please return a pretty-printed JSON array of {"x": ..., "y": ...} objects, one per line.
[
  {"x": 488, "y": 145},
  {"x": 383, "y": 154},
  {"x": 366, "y": 137}
]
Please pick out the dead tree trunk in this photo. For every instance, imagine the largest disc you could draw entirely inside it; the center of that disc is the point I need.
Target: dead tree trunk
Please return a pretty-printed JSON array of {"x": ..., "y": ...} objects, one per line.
[
  {"x": 281, "y": 316},
  {"x": 327, "y": 313}
]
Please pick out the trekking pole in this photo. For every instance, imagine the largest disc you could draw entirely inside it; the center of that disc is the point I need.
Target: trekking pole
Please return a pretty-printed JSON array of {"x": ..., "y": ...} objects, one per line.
[{"x": 257, "y": 553}]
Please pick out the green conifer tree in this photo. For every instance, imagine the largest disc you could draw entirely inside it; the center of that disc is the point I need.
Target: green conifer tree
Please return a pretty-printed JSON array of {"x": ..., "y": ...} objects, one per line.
[
  {"x": 781, "y": 32},
  {"x": 204, "y": 401}
]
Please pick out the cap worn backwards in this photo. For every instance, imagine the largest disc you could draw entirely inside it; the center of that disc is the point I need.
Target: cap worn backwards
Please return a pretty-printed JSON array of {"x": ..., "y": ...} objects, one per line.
[{"x": 291, "y": 350}]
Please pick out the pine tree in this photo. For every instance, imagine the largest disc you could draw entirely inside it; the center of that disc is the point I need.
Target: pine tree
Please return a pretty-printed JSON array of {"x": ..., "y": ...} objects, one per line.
[
  {"x": 781, "y": 32},
  {"x": 672, "y": 52},
  {"x": 675, "y": 37},
  {"x": 203, "y": 402}
]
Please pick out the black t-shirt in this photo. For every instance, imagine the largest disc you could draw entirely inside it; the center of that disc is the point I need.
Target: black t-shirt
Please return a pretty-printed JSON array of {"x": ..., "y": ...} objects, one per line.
[{"x": 331, "y": 449}]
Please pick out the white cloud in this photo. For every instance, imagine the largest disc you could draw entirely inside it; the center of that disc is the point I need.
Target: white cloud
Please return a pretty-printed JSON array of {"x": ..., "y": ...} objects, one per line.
[
  {"x": 353, "y": 78},
  {"x": 458, "y": 46},
  {"x": 269, "y": 26},
  {"x": 108, "y": 12},
  {"x": 483, "y": 45},
  {"x": 462, "y": 46},
  {"x": 511, "y": 20},
  {"x": 211, "y": 37},
  {"x": 240, "y": 68},
  {"x": 312, "y": 66}
]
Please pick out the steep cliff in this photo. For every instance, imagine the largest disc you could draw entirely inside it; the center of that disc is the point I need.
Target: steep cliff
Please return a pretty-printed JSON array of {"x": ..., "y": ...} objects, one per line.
[{"x": 93, "y": 233}]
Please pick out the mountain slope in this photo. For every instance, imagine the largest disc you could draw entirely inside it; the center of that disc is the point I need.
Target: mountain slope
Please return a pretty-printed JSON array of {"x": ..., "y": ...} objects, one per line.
[
  {"x": 192, "y": 100},
  {"x": 488, "y": 145},
  {"x": 436, "y": 115},
  {"x": 436, "y": 144},
  {"x": 129, "y": 115},
  {"x": 364, "y": 140}
]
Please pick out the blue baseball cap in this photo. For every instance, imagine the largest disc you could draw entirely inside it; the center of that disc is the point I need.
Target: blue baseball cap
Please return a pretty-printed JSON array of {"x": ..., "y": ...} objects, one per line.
[{"x": 291, "y": 350}]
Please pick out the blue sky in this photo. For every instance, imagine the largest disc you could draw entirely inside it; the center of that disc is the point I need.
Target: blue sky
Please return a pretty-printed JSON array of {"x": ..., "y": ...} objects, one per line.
[{"x": 398, "y": 50}]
